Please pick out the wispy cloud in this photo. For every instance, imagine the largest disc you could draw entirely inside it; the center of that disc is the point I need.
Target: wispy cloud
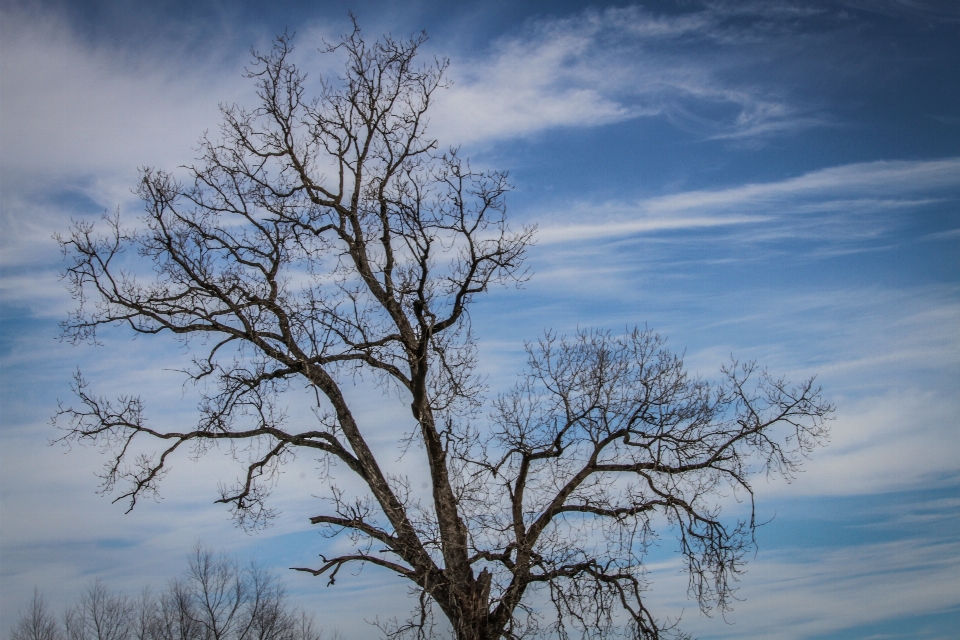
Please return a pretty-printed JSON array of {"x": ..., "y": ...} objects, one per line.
[
  {"x": 78, "y": 109},
  {"x": 580, "y": 232},
  {"x": 802, "y": 202},
  {"x": 74, "y": 109},
  {"x": 599, "y": 67},
  {"x": 903, "y": 439},
  {"x": 852, "y": 180},
  {"x": 832, "y": 589},
  {"x": 909, "y": 9}
]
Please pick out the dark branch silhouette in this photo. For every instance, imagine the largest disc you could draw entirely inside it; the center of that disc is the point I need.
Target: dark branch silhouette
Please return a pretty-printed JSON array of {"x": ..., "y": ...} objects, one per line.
[
  {"x": 318, "y": 238},
  {"x": 215, "y": 599}
]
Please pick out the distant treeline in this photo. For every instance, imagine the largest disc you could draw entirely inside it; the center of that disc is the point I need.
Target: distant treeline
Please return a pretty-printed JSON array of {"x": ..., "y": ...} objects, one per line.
[{"x": 216, "y": 598}]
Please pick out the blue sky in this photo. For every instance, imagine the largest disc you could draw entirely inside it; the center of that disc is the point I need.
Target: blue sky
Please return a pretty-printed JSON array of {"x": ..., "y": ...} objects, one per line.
[{"x": 775, "y": 180}]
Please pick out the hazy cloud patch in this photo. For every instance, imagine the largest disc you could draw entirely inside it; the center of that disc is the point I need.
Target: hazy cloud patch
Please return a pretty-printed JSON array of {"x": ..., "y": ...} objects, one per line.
[
  {"x": 599, "y": 67},
  {"x": 830, "y": 204},
  {"x": 75, "y": 110}
]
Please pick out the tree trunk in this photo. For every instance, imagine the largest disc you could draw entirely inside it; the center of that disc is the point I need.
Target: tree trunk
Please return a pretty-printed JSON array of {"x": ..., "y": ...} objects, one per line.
[{"x": 472, "y": 624}]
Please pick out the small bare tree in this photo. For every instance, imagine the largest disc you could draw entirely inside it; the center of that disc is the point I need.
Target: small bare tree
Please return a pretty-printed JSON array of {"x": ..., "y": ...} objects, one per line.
[
  {"x": 215, "y": 599},
  {"x": 321, "y": 238},
  {"x": 222, "y": 600},
  {"x": 37, "y": 623},
  {"x": 100, "y": 615}
]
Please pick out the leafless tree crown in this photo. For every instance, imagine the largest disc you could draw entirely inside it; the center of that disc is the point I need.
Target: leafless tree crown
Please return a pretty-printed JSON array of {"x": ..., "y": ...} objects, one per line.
[
  {"x": 37, "y": 622},
  {"x": 318, "y": 238},
  {"x": 215, "y": 599}
]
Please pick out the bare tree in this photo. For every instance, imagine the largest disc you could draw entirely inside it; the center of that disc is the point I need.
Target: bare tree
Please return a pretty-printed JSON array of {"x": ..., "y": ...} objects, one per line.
[
  {"x": 172, "y": 616},
  {"x": 144, "y": 618},
  {"x": 215, "y": 599},
  {"x": 225, "y": 601},
  {"x": 100, "y": 615},
  {"x": 37, "y": 623},
  {"x": 318, "y": 239}
]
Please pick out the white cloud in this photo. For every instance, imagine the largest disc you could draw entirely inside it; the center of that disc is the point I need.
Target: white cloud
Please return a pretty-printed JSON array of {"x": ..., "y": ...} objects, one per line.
[
  {"x": 898, "y": 441},
  {"x": 524, "y": 87},
  {"x": 795, "y": 206},
  {"x": 869, "y": 179},
  {"x": 599, "y": 67},
  {"x": 619, "y": 229},
  {"x": 74, "y": 110},
  {"x": 806, "y": 593}
]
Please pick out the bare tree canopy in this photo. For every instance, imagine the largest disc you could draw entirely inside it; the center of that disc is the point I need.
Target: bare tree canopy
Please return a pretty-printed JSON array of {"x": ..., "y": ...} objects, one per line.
[
  {"x": 37, "y": 623},
  {"x": 318, "y": 238},
  {"x": 215, "y": 599}
]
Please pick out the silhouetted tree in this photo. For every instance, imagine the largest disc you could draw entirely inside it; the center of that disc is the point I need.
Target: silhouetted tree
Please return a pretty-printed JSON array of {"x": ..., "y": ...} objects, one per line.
[
  {"x": 37, "y": 623},
  {"x": 321, "y": 238},
  {"x": 100, "y": 615},
  {"x": 215, "y": 599}
]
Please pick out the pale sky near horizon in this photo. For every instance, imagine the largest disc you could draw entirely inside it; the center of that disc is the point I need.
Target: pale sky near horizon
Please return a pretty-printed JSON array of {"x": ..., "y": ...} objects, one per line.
[{"x": 776, "y": 180}]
